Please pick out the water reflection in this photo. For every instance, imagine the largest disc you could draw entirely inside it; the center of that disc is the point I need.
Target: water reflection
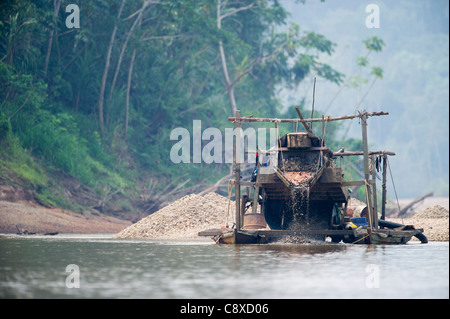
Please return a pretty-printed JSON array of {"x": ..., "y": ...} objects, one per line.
[
  {"x": 111, "y": 268},
  {"x": 282, "y": 249}
]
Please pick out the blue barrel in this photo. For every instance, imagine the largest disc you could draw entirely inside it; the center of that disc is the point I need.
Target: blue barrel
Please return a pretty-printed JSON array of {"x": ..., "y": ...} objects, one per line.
[{"x": 359, "y": 221}]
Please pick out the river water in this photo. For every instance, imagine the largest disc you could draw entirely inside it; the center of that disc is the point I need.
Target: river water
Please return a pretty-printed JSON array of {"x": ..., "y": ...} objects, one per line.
[{"x": 98, "y": 266}]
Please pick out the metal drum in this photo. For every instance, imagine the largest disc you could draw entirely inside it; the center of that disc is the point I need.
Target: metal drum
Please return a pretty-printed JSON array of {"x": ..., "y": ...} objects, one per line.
[
  {"x": 254, "y": 221},
  {"x": 357, "y": 211}
]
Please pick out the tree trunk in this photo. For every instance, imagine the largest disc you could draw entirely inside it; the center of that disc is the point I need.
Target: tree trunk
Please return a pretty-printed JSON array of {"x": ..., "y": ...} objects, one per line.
[
  {"x": 105, "y": 73},
  {"x": 127, "y": 102},
  {"x": 228, "y": 83},
  {"x": 130, "y": 72},
  {"x": 232, "y": 99},
  {"x": 56, "y": 6},
  {"x": 124, "y": 47},
  {"x": 405, "y": 209}
]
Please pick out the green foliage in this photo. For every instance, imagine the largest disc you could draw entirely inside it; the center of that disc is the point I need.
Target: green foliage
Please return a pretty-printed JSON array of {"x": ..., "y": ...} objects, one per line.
[
  {"x": 51, "y": 78},
  {"x": 317, "y": 41},
  {"x": 18, "y": 166},
  {"x": 362, "y": 61},
  {"x": 377, "y": 72},
  {"x": 366, "y": 73},
  {"x": 374, "y": 44}
]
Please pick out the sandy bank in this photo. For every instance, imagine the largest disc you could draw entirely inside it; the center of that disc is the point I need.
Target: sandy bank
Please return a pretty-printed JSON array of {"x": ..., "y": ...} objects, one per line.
[{"x": 35, "y": 219}]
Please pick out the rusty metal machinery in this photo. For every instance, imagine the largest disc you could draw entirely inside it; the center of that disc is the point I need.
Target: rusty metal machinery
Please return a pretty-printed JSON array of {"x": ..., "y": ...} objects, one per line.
[
  {"x": 298, "y": 190},
  {"x": 305, "y": 188}
]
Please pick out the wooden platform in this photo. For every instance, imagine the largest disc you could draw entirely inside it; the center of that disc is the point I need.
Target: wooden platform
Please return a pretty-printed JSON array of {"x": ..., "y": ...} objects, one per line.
[{"x": 358, "y": 236}]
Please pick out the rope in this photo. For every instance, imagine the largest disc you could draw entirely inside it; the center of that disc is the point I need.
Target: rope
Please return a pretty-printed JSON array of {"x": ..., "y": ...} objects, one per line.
[
  {"x": 393, "y": 184},
  {"x": 367, "y": 201},
  {"x": 371, "y": 165},
  {"x": 360, "y": 239},
  {"x": 320, "y": 159},
  {"x": 229, "y": 202}
]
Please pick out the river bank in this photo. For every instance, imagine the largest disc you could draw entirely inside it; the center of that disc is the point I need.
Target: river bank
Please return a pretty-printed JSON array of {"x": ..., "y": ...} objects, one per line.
[
  {"x": 183, "y": 218},
  {"x": 29, "y": 218}
]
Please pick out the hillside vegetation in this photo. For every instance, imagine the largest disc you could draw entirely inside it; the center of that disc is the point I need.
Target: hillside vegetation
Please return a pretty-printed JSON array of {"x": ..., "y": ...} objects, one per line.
[{"x": 86, "y": 113}]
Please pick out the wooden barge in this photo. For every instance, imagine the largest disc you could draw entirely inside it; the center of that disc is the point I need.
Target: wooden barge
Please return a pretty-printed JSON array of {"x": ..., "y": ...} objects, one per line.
[{"x": 299, "y": 191}]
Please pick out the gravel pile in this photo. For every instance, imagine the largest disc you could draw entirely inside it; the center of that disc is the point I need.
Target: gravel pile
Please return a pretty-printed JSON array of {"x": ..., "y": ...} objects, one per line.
[
  {"x": 434, "y": 221},
  {"x": 183, "y": 218},
  {"x": 433, "y": 212}
]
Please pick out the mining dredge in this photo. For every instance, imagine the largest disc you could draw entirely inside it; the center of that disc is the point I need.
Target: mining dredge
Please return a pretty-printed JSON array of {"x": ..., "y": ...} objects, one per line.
[{"x": 298, "y": 190}]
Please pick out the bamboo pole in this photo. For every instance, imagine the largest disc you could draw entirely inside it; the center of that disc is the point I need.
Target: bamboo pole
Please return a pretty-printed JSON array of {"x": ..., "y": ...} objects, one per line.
[
  {"x": 384, "y": 153},
  {"x": 237, "y": 169},
  {"x": 273, "y": 120},
  {"x": 383, "y": 187},
  {"x": 302, "y": 118},
  {"x": 366, "y": 172},
  {"x": 314, "y": 97},
  {"x": 256, "y": 195},
  {"x": 374, "y": 191}
]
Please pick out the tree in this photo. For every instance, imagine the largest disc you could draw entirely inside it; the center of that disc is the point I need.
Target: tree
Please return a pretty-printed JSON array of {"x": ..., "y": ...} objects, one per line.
[
  {"x": 274, "y": 49},
  {"x": 105, "y": 73},
  {"x": 56, "y": 5},
  {"x": 229, "y": 84}
]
